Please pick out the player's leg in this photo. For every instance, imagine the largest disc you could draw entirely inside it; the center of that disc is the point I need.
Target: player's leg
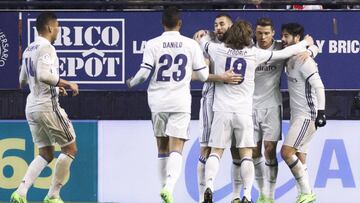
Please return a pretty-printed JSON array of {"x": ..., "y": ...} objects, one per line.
[
  {"x": 40, "y": 161},
  {"x": 220, "y": 138},
  {"x": 174, "y": 164},
  {"x": 62, "y": 131},
  {"x": 177, "y": 131},
  {"x": 302, "y": 158},
  {"x": 271, "y": 119},
  {"x": 204, "y": 154},
  {"x": 235, "y": 173},
  {"x": 247, "y": 172},
  {"x": 163, "y": 155},
  {"x": 302, "y": 155},
  {"x": 271, "y": 127},
  {"x": 299, "y": 134},
  {"x": 271, "y": 168},
  {"x": 159, "y": 121},
  {"x": 259, "y": 165},
  {"x": 296, "y": 167},
  {"x": 244, "y": 134},
  {"x": 205, "y": 119},
  {"x": 211, "y": 170}
]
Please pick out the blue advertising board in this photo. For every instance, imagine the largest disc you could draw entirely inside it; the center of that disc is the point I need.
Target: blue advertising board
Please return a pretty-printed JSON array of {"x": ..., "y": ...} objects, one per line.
[
  {"x": 9, "y": 49},
  {"x": 100, "y": 50},
  {"x": 17, "y": 151}
]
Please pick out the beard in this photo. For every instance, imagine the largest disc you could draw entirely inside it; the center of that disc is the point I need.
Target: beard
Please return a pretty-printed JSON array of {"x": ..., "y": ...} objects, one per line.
[{"x": 220, "y": 37}]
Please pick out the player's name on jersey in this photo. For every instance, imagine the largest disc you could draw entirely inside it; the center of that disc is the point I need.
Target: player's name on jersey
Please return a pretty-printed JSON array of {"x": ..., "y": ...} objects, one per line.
[
  {"x": 340, "y": 46},
  {"x": 172, "y": 44},
  {"x": 236, "y": 52}
]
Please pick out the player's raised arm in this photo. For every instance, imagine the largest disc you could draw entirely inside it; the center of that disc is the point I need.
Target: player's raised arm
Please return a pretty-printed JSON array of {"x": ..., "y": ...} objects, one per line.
[
  {"x": 289, "y": 51},
  {"x": 312, "y": 51},
  {"x": 200, "y": 68}
]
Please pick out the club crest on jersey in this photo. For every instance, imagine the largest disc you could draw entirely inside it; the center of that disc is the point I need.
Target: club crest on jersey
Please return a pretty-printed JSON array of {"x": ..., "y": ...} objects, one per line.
[
  {"x": 90, "y": 50},
  {"x": 4, "y": 45}
]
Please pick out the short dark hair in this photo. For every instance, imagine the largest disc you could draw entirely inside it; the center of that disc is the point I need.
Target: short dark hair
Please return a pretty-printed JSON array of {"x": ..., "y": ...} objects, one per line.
[
  {"x": 170, "y": 17},
  {"x": 224, "y": 15},
  {"x": 239, "y": 35},
  {"x": 293, "y": 29},
  {"x": 44, "y": 19},
  {"x": 265, "y": 22}
]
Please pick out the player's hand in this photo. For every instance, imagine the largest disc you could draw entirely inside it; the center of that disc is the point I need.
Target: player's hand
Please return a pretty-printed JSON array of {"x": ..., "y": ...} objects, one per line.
[
  {"x": 303, "y": 56},
  {"x": 62, "y": 91},
  {"x": 128, "y": 82},
  {"x": 320, "y": 119},
  {"x": 232, "y": 78},
  {"x": 75, "y": 89},
  {"x": 207, "y": 61},
  {"x": 199, "y": 34},
  {"x": 309, "y": 40}
]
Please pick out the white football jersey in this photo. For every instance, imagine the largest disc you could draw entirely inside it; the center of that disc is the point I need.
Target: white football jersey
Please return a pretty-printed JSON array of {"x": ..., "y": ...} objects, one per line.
[
  {"x": 42, "y": 97},
  {"x": 209, "y": 87},
  {"x": 173, "y": 58},
  {"x": 303, "y": 100},
  {"x": 267, "y": 81},
  {"x": 235, "y": 98}
]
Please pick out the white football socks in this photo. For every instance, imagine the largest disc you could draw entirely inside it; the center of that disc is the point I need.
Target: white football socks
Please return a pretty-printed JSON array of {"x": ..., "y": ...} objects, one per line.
[
  {"x": 61, "y": 172},
  {"x": 201, "y": 178},
  {"x": 271, "y": 175},
  {"x": 247, "y": 172},
  {"x": 162, "y": 163},
  {"x": 33, "y": 171},
  {"x": 211, "y": 169},
  {"x": 236, "y": 178},
  {"x": 174, "y": 165},
  {"x": 260, "y": 173},
  {"x": 300, "y": 175}
]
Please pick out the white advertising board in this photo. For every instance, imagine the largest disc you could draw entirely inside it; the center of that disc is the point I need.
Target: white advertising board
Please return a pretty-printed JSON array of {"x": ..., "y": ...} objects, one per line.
[{"x": 127, "y": 165}]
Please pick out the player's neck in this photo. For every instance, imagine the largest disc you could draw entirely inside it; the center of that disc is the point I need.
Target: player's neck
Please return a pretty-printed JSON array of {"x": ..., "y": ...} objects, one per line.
[
  {"x": 177, "y": 29},
  {"x": 45, "y": 36}
]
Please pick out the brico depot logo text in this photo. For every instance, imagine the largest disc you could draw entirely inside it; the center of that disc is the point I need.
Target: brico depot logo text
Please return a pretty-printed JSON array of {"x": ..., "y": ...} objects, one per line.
[{"x": 90, "y": 50}]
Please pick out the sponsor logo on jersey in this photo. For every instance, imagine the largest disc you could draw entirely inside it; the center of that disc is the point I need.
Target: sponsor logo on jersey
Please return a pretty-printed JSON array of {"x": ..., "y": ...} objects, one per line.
[
  {"x": 90, "y": 50},
  {"x": 265, "y": 68}
]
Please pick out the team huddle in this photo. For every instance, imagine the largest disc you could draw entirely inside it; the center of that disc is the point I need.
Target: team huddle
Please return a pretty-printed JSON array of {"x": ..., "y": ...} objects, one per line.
[{"x": 241, "y": 105}]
